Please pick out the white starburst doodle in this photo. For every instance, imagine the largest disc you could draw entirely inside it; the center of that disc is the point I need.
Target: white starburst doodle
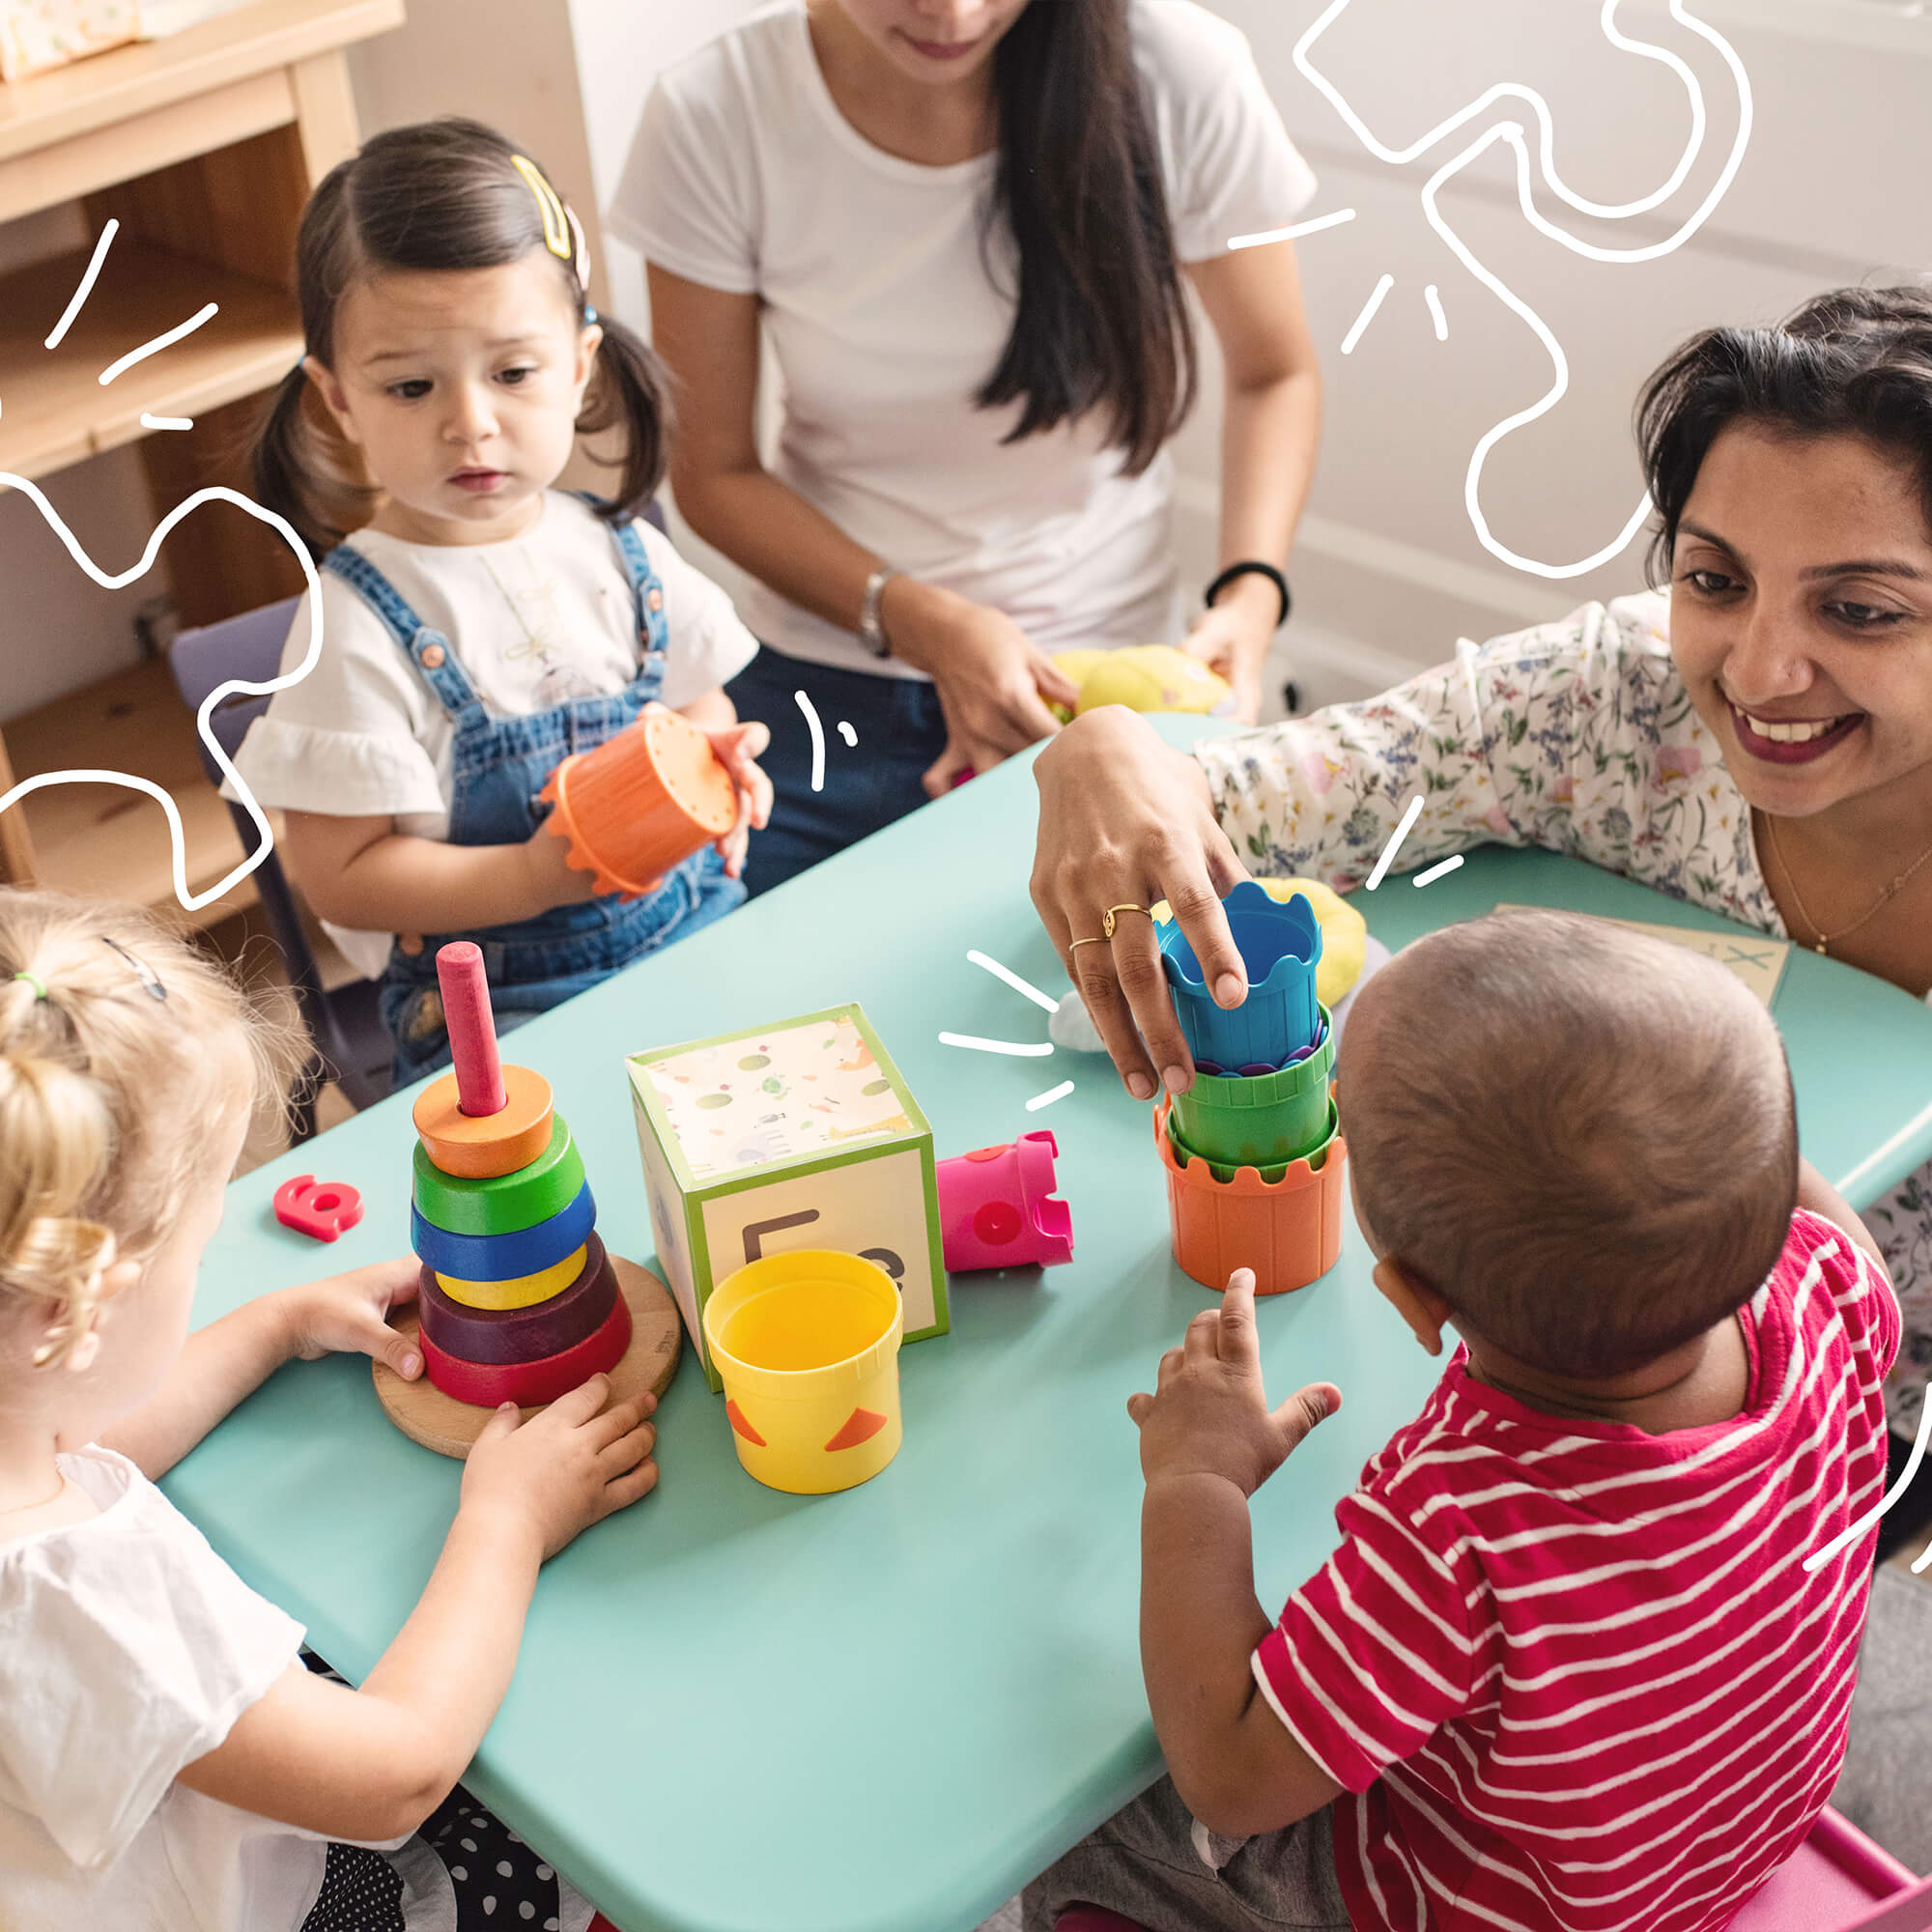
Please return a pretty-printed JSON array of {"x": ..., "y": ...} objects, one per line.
[{"x": 1511, "y": 132}]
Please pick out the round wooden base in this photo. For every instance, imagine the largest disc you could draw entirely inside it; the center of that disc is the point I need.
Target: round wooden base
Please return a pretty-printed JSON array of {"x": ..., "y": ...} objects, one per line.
[{"x": 439, "y": 1422}]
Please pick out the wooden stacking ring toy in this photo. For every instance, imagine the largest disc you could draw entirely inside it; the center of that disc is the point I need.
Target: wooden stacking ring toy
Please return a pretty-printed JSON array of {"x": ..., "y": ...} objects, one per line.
[
  {"x": 500, "y": 1257},
  {"x": 503, "y": 1335},
  {"x": 501, "y": 1203},
  {"x": 518, "y": 1301},
  {"x": 480, "y": 1146},
  {"x": 529, "y": 1384},
  {"x": 522, "y": 1290}
]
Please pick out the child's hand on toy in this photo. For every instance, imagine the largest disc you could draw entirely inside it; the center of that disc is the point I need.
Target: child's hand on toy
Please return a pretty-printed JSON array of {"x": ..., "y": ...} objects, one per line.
[
  {"x": 736, "y": 747},
  {"x": 571, "y": 1465},
  {"x": 1209, "y": 1415},
  {"x": 552, "y": 881},
  {"x": 346, "y": 1315}
]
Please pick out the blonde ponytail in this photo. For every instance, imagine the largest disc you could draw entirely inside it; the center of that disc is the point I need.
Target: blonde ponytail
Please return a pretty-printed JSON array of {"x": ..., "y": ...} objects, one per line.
[{"x": 121, "y": 1048}]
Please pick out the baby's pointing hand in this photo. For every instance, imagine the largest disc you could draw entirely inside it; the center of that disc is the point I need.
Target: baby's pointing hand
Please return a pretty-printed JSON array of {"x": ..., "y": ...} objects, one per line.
[
  {"x": 346, "y": 1314},
  {"x": 1209, "y": 1415}
]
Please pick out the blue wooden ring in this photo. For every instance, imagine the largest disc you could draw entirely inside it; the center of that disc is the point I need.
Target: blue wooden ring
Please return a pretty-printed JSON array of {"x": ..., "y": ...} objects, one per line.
[
  {"x": 504, "y": 1335},
  {"x": 504, "y": 1256}
]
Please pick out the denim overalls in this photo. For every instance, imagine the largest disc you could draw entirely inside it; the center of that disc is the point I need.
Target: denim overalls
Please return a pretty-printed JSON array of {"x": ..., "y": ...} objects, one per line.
[{"x": 500, "y": 766}]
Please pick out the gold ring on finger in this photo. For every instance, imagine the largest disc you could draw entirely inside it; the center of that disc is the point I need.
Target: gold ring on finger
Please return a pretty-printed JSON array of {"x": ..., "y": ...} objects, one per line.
[
  {"x": 1107, "y": 924},
  {"x": 1074, "y": 944}
]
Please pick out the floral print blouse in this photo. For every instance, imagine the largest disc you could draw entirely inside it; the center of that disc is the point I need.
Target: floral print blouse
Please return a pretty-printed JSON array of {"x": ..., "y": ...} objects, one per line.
[{"x": 1576, "y": 737}]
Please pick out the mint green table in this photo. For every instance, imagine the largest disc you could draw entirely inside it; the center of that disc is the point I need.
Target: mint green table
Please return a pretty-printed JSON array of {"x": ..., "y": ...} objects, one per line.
[{"x": 738, "y": 1711}]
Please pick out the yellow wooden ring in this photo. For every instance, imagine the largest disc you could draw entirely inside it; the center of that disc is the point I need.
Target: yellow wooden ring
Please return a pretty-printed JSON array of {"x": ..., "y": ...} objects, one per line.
[{"x": 520, "y": 1291}]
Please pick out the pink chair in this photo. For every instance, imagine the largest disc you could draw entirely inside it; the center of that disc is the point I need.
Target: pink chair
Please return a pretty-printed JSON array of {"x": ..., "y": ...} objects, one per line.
[{"x": 1837, "y": 1880}]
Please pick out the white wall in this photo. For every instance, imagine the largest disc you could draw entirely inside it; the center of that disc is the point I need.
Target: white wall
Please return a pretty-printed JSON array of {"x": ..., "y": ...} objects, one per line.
[{"x": 1389, "y": 570}]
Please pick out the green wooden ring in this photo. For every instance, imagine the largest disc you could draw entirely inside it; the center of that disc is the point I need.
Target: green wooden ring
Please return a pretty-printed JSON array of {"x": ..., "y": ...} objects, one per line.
[{"x": 506, "y": 1203}]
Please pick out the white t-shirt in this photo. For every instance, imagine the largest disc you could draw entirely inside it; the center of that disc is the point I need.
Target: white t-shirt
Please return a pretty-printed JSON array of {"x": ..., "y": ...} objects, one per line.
[
  {"x": 745, "y": 177},
  {"x": 535, "y": 622},
  {"x": 127, "y": 1650}
]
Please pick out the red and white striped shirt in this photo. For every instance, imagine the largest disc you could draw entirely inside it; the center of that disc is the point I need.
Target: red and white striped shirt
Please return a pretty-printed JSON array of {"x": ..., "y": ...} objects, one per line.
[{"x": 1574, "y": 1677}]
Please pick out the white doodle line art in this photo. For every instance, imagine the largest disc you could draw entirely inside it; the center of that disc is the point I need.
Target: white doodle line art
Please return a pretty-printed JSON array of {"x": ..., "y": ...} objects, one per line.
[
  {"x": 817, "y": 731},
  {"x": 1512, "y": 132},
  {"x": 986, "y": 963},
  {"x": 78, "y": 300},
  {"x": 1853, "y": 1531},
  {"x": 236, "y": 687}
]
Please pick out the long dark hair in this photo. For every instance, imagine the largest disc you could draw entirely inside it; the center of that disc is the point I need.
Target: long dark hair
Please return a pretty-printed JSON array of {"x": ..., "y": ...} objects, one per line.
[
  {"x": 439, "y": 195},
  {"x": 1854, "y": 362},
  {"x": 1102, "y": 322}
]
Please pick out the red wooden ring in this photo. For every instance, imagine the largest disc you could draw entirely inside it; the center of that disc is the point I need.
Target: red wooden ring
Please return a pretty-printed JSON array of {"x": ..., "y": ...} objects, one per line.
[
  {"x": 503, "y": 1335},
  {"x": 530, "y": 1384}
]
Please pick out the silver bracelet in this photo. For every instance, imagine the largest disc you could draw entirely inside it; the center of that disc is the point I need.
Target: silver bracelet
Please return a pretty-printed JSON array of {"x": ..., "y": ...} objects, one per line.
[{"x": 872, "y": 632}]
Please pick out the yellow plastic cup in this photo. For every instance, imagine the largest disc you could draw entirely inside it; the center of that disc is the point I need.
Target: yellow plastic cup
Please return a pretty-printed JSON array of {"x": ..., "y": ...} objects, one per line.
[{"x": 806, "y": 1344}]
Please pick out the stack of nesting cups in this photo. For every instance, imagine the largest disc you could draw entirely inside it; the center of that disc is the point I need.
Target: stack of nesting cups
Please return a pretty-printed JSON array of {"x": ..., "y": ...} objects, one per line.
[{"x": 1252, "y": 1152}]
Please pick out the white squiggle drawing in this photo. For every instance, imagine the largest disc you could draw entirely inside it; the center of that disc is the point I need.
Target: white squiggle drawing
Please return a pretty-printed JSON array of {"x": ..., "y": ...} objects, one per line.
[
  {"x": 235, "y": 687},
  {"x": 1853, "y": 1531},
  {"x": 817, "y": 731},
  {"x": 78, "y": 300},
  {"x": 1512, "y": 132},
  {"x": 1359, "y": 328},
  {"x": 1295, "y": 230},
  {"x": 166, "y": 340}
]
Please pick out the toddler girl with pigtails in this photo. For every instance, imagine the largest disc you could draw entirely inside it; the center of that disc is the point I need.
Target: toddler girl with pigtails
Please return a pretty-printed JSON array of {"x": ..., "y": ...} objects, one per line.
[
  {"x": 167, "y": 1760},
  {"x": 480, "y": 624}
]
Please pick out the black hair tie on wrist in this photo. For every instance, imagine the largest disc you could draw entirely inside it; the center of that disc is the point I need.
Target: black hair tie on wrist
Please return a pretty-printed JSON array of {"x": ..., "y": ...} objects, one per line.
[{"x": 1254, "y": 569}]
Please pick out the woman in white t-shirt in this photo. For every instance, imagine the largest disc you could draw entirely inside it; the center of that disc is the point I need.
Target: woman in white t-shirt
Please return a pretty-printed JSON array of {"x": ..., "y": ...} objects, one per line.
[{"x": 966, "y": 227}]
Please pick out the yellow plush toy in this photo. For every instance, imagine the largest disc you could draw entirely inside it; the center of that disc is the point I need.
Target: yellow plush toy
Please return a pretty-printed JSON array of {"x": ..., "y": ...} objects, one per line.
[
  {"x": 1144, "y": 677},
  {"x": 1345, "y": 934}
]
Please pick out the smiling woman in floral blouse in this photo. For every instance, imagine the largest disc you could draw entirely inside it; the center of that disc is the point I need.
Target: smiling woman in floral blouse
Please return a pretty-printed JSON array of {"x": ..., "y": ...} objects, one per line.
[{"x": 1757, "y": 740}]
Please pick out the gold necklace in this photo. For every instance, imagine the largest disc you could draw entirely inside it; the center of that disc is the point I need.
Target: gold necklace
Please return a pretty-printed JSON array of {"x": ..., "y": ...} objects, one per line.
[{"x": 1878, "y": 905}]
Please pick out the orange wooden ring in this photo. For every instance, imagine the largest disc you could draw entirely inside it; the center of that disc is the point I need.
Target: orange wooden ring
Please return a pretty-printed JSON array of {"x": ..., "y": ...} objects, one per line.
[{"x": 481, "y": 1147}]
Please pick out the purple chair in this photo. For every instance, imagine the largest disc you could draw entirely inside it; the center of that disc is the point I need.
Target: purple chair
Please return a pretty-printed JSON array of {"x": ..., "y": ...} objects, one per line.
[{"x": 1837, "y": 1880}]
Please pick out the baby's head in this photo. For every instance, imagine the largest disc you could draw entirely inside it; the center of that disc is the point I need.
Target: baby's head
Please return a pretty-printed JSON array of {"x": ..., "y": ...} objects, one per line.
[
  {"x": 451, "y": 348},
  {"x": 130, "y": 1067},
  {"x": 1581, "y": 1137}
]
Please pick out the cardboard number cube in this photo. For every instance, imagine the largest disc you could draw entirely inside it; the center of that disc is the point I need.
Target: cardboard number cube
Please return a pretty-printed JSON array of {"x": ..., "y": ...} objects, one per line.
[{"x": 797, "y": 1135}]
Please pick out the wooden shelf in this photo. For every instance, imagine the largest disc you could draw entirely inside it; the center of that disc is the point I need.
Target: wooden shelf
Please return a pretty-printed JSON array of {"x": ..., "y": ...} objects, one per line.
[
  {"x": 204, "y": 147},
  {"x": 57, "y": 412},
  {"x": 113, "y": 840},
  {"x": 142, "y": 107}
]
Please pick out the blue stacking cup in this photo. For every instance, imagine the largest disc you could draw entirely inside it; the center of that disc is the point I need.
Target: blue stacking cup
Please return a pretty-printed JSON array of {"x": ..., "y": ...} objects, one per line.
[{"x": 1280, "y": 945}]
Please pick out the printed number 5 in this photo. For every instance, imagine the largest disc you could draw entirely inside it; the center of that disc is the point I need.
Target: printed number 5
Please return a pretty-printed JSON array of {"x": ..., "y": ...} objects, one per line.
[{"x": 756, "y": 1230}]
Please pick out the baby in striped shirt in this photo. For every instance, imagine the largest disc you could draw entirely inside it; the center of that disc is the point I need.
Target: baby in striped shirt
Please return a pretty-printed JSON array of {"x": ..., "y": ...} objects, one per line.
[{"x": 1568, "y": 1670}]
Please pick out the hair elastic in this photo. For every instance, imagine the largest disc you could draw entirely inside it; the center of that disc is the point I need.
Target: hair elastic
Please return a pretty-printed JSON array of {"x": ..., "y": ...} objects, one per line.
[
  {"x": 35, "y": 981},
  {"x": 151, "y": 983}
]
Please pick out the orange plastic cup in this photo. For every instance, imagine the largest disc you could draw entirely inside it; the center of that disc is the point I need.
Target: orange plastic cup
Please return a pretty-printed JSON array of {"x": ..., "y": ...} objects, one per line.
[
  {"x": 642, "y": 802},
  {"x": 1288, "y": 1231}
]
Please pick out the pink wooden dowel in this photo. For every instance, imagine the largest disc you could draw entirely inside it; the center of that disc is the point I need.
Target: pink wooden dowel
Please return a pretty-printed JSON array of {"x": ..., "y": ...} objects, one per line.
[{"x": 473, "y": 1029}]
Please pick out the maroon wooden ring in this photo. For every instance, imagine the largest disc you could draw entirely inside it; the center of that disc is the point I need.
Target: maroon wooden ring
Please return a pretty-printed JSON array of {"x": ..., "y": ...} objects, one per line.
[
  {"x": 499, "y": 1336},
  {"x": 530, "y": 1384}
]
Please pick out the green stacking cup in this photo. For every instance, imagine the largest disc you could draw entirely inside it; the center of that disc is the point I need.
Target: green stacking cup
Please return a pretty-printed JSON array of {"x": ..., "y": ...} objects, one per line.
[
  {"x": 1271, "y": 1173},
  {"x": 1259, "y": 1119}
]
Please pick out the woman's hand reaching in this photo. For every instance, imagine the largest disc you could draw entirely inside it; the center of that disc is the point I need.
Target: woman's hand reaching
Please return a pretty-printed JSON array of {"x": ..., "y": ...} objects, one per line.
[
  {"x": 1125, "y": 821},
  {"x": 994, "y": 682}
]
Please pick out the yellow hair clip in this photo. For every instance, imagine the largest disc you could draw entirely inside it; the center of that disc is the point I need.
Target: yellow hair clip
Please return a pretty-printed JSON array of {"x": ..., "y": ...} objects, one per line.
[{"x": 557, "y": 237}]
